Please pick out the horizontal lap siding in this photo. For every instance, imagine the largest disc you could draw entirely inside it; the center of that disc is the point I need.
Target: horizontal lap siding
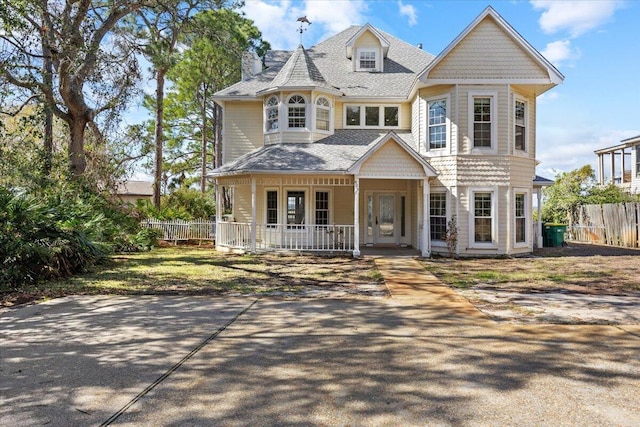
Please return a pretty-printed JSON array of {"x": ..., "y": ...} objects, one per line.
[
  {"x": 242, "y": 129},
  {"x": 500, "y": 115}
]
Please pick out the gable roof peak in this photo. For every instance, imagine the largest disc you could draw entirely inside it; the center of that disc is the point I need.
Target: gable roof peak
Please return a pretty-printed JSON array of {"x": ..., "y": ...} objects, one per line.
[{"x": 377, "y": 33}]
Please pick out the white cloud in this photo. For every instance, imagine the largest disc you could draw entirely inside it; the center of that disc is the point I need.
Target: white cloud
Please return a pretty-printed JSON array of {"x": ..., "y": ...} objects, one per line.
[
  {"x": 548, "y": 97},
  {"x": 409, "y": 11},
  {"x": 563, "y": 149},
  {"x": 560, "y": 51},
  {"x": 277, "y": 19},
  {"x": 575, "y": 17}
]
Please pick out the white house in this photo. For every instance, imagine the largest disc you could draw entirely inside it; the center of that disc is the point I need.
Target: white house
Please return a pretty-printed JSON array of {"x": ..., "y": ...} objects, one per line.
[
  {"x": 365, "y": 140},
  {"x": 622, "y": 161}
]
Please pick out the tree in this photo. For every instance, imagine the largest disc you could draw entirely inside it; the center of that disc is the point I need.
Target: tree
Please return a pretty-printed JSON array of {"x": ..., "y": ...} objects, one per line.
[
  {"x": 578, "y": 187},
  {"x": 163, "y": 27},
  {"x": 71, "y": 57},
  {"x": 215, "y": 41}
]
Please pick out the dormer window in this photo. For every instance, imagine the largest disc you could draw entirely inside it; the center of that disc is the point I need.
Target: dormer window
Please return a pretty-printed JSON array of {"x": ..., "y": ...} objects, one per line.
[
  {"x": 297, "y": 107},
  {"x": 367, "y": 59},
  {"x": 271, "y": 114}
]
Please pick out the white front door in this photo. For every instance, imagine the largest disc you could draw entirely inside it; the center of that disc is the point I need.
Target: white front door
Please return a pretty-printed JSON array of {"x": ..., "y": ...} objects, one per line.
[{"x": 382, "y": 218}]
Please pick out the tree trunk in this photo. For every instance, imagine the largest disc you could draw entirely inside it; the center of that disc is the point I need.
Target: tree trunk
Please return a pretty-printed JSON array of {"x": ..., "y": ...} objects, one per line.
[
  {"x": 203, "y": 165},
  {"x": 77, "y": 160},
  {"x": 157, "y": 182},
  {"x": 47, "y": 73}
]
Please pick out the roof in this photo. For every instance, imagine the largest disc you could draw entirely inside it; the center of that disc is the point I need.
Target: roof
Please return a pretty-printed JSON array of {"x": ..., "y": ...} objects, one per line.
[
  {"x": 401, "y": 65},
  {"x": 625, "y": 143},
  {"x": 337, "y": 153},
  {"x": 135, "y": 188},
  {"x": 300, "y": 72},
  {"x": 540, "y": 181}
]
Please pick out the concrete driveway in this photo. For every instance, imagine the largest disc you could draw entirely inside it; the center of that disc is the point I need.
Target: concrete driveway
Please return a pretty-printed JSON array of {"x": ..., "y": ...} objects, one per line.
[{"x": 176, "y": 361}]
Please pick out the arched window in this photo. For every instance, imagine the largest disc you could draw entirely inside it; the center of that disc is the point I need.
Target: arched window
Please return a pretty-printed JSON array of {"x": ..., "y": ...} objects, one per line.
[
  {"x": 271, "y": 113},
  {"x": 297, "y": 112},
  {"x": 323, "y": 114}
]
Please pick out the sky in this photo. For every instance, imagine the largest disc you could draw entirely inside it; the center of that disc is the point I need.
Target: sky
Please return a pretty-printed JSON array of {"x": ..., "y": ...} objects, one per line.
[{"x": 595, "y": 44}]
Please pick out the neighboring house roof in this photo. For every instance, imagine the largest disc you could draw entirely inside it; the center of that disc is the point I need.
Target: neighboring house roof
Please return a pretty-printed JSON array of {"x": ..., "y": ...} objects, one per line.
[
  {"x": 401, "y": 65},
  {"x": 539, "y": 181},
  {"x": 625, "y": 143},
  {"x": 337, "y": 153},
  {"x": 135, "y": 188}
]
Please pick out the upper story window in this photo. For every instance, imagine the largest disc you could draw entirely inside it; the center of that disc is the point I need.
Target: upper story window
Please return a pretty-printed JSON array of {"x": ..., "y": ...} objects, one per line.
[
  {"x": 367, "y": 60},
  {"x": 323, "y": 114},
  {"x": 297, "y": 109},
  {"x": 437, "y": 124},
  {"x": 520, "y": 122},
  {"x": 371, "y": 116},
  {"x": 271, "y": 114},
  {"x": 482, "y": 122},
  {"x": 638, "y": 160}
]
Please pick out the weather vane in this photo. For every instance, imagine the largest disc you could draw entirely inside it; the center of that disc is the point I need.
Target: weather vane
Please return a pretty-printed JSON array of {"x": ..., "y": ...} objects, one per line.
[{"x": 303, "y": 20}]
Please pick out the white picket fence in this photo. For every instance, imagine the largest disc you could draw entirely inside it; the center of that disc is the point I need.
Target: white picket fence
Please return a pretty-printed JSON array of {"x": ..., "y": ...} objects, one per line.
[{"x": 180, "y": 230}]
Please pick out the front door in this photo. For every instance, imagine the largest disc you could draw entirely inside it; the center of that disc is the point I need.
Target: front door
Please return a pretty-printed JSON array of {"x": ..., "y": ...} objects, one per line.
[{"x": 381, "y": 218}]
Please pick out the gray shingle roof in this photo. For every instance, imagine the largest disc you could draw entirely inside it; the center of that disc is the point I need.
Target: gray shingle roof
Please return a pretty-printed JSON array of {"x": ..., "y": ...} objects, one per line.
[
  {"x": 299, "y": 71},
  {"x": 401, "y": 66},
  {"x": 336, "y": 153}
]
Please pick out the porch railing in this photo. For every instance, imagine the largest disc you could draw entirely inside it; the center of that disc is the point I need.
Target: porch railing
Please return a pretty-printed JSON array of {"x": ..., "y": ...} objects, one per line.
[{"x": 273, "y": 237}]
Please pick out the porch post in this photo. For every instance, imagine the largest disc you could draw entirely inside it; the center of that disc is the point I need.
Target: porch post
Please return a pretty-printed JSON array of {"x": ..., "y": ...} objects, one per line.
[
  {"x": 601, "y": 169},
  {"x": 253, "y": 214},
  {"x": 539, "y": 240},
  {"x": 622, "y": 165},
  {"x": 613, "y": 166},
  {"x": 356, "y": 216},
  {"x": 426, "y": 228},
  {"x": 219, "y": 211}
]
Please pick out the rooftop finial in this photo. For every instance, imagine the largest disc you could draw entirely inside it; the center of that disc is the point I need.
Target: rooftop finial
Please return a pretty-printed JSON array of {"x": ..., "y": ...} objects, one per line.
[{"x": 303, "y": 20}]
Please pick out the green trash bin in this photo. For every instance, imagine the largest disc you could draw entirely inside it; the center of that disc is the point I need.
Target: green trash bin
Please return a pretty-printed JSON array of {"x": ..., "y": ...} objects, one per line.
[{"x": 554, "y": 235}]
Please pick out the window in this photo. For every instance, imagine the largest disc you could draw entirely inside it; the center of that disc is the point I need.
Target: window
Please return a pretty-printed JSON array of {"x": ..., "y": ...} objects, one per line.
[
  {"x": 437, "y": 124},
  {"x": 438, "y": 215},
  {"x": 391, "y": 116},
  {"x": 272, "y": 208},
  {"x": 520, "y": 215},
  {"x": 297, "y": 112},
  {"x": 323, "y": 114},
  {"x": 371, "y": 116},
  {"x": 520, "y": 126},
  {"x": 638, "y": 160},
  {"x": 367, "y": 59},
  {"x": 322, "y": 208},
  {"x": 483, "y": 220},
  {"x": 271, "y": 113},
  {"x": 295, "y": 208},
  {"x": 353, "y": 115},
  {"x": 482, "y": 122}
]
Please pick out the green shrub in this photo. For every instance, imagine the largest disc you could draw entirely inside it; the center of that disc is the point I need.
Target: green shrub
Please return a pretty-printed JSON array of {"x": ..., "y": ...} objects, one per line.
[{"x": 184, "y": 203}]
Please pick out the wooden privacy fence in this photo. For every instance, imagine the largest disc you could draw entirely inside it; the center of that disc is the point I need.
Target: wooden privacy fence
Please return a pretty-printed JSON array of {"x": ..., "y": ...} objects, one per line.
[
  {"x": 177, "y": 229},
  {"x": 611, "y": 224}
]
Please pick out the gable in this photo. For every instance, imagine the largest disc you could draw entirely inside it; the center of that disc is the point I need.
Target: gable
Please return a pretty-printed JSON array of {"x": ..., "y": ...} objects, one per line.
[
  {"x": 488, "y": 52},
  {"x": 367, "y": 39},
  {"x": 391, "y": 161}
]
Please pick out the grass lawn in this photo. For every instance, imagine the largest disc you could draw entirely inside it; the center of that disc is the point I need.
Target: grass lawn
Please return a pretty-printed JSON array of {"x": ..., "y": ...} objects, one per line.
[
  {"x": 585, "y": 269},
  {"x": 188, "y": 270}
]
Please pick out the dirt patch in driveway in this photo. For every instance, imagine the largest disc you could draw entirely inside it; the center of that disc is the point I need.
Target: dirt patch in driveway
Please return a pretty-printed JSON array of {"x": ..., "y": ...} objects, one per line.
[{"x": 575, "y": 284}]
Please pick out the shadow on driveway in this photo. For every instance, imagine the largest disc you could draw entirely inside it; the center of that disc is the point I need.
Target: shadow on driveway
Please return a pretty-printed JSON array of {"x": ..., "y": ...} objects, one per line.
[{"x": 77, "y": 361}]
